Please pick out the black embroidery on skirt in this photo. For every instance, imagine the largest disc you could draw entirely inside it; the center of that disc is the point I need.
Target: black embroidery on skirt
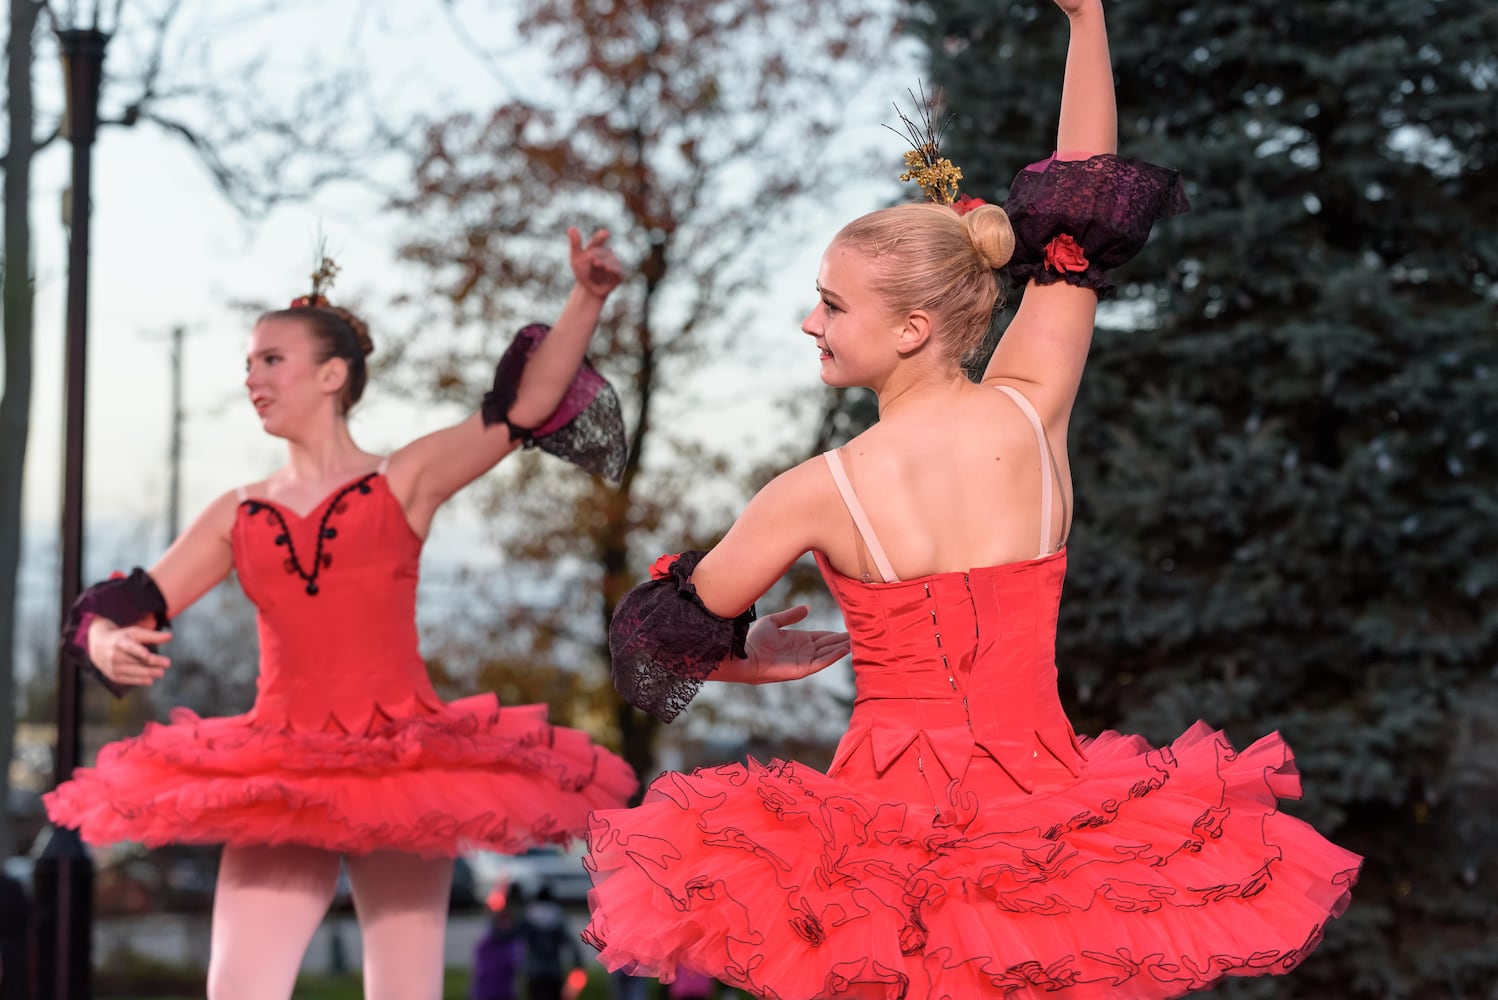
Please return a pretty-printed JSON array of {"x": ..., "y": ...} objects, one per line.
[{"x": 320, "y": 559}]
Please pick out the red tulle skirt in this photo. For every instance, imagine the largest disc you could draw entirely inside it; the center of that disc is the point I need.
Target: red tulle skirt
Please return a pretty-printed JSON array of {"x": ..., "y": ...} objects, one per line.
[
  {"x": 1155, "y": 873},
  {"x": 471, "y": 775}
]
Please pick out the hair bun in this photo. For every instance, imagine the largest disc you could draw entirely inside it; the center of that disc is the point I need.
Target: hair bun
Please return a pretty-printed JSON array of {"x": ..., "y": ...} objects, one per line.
[
  {"x": 991, "y": 234},
  {"x": 360, "y": 328}
]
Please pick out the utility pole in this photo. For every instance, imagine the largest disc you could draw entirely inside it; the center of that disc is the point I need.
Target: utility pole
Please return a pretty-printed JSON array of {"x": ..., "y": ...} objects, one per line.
[
  {"x": 174, "y": 454},
  {"x": 64, "y": 875}
]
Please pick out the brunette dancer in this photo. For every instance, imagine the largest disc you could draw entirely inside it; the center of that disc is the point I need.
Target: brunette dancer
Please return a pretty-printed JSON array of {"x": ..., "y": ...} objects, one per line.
[{"x": 348, "y": 754}]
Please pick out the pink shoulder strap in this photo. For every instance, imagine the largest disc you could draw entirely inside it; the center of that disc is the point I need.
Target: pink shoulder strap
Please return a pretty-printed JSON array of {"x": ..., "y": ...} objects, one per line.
[
  {"x": 860, "y": 519},
  {"x": 384, "y": 465},
  {"x": 1047, "y": 463}
]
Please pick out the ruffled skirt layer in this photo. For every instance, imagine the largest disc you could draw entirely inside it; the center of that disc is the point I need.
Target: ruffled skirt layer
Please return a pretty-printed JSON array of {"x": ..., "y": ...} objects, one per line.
[
  {"x": 1156, "y": 873},
  {"x": 469, "y": 775}
]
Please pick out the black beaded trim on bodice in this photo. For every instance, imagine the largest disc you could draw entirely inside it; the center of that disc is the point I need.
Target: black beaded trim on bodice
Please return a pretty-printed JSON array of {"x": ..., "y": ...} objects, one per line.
[{"x": 325, "y": 533}]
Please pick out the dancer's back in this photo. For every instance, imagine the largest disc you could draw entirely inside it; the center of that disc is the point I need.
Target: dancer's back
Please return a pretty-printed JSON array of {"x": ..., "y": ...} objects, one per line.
[
  {"x": 955, "y": 669},
  {"x": 952, "y": 484}
]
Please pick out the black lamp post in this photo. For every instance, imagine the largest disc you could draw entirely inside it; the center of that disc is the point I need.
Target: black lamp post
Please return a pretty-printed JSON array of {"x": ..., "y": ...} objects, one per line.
[{"x": 64, "y": 874}]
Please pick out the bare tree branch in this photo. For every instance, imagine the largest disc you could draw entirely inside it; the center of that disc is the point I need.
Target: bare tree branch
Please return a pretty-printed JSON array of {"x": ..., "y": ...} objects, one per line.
[
  {"x": 489, "y": 60},
  {"x": 689, "y": 131},
  {"x": 46, "y": 9}
]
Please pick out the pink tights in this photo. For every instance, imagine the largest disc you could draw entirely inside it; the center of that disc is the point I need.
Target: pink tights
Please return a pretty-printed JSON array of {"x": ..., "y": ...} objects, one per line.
[{"x": 269, "y": 901}]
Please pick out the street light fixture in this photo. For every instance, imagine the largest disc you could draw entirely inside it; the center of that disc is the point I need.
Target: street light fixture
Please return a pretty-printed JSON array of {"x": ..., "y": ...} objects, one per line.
[{"x": 64, "y": 874}]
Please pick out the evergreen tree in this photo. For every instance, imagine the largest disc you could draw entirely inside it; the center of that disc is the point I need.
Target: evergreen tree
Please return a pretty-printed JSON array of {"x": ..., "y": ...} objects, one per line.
[{"x": 1285, "y": 446}]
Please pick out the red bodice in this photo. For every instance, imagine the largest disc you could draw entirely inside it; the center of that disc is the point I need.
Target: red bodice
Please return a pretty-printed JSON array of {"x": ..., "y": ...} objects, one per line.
[
  {"x": 347, "y": 747},
  {"x": 335, "y": 592},
  {"x": 953, "y": 667}
]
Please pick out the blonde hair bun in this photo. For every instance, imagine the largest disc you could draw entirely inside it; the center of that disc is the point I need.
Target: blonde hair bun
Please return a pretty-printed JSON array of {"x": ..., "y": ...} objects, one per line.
[{"x": 992, "y": 235}]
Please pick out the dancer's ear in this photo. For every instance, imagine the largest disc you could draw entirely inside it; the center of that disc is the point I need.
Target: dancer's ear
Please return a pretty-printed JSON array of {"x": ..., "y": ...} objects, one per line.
[
  {"x": 332, "y": 375},
  {"x": 914, "y": 332}
]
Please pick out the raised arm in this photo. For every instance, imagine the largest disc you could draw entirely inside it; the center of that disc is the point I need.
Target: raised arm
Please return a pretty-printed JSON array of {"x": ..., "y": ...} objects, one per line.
[
  {"x": 428, "y": 471},
  {"x": 1089, "y": 111},
  {"x": 1045, "y": 347},
  {"x": 552, "y": 366},
  {"x": 1076, "y": 217}
]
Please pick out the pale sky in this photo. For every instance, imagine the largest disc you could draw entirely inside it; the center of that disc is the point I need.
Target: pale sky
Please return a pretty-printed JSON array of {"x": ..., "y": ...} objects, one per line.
[{"x": 168, "y": 251}]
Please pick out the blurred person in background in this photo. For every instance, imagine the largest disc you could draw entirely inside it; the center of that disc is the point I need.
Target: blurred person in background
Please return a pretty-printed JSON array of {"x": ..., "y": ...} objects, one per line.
[
  {"x": 551, "y": 949},
  {"x": 690, "y": 984},
  {"x": 497, "y": 956},
  {"x": 623, "y": 986}
]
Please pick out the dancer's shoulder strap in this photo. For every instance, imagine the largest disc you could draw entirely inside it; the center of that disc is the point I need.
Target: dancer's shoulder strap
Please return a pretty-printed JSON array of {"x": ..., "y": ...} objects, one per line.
[
  {"x": 1047, "y": 463},
  {"x": 860, "y": 519}
]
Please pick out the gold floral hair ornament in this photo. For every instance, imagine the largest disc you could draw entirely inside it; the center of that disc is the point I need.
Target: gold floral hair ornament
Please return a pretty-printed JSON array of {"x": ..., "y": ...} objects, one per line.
[
  {"x": 322, "y": 280},
  {"x": 937, "y": 175}
]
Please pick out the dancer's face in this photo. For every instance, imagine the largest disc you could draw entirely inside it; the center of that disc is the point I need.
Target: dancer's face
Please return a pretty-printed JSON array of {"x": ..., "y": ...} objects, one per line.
[
  {"x": 287, "y": 384},
  {"x": 852, "y": 325}
]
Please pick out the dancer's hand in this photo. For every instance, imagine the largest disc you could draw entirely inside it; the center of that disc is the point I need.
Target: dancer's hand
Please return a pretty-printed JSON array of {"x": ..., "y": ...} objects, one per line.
[
  {"x": 777, "y": 653},
  {"x": 120, "y": 653},
  {"x": 594, "y": 265}
]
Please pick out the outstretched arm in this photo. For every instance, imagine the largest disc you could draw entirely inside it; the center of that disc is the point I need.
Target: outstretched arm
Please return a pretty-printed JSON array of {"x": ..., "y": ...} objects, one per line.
[
  {"x": 777, "y": 653},
  {"x": 428, "y": 471},
  {"x": 780, "y": 524},
  {"x": 199, "y": 558},
  {"x": 1045, "y": 347},
  {"x": 690, "y": 623}
]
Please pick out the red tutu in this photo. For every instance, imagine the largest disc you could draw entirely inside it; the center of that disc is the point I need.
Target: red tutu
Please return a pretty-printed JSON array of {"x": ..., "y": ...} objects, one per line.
[
  {"x": 474, "y": 776},
  {"x": 965, "y": 843},
  {"x": 1158, "y": 873},
  {"x": 348, "y": 747}
]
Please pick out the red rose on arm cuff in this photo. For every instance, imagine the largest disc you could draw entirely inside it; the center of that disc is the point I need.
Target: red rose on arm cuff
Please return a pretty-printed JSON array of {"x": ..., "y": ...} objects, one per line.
[
  {"x": 661, "y": 568},
  {"x": 1064, "y": 255}
]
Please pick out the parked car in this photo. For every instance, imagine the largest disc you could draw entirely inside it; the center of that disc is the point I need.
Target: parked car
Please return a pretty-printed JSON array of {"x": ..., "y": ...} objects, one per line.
[
  {"x": 131, "y": 888},
  {"x": 560, "y": 871},
  {"x": 189, "y": 873}
]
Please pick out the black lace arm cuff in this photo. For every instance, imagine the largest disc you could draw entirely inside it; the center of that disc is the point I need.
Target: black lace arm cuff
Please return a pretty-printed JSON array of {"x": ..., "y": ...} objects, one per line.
[
  {"x": 1075, "y": 220},
  {"x": 124, "y": 600},
  {"x": 664, "y": 643},
  {"x": 587, "y": 428}
]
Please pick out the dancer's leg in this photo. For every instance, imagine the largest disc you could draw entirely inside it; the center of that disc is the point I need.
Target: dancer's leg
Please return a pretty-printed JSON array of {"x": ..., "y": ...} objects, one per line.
[
  {"x": 266, "y": 907},
  {"x": 401, "y": 900}
]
